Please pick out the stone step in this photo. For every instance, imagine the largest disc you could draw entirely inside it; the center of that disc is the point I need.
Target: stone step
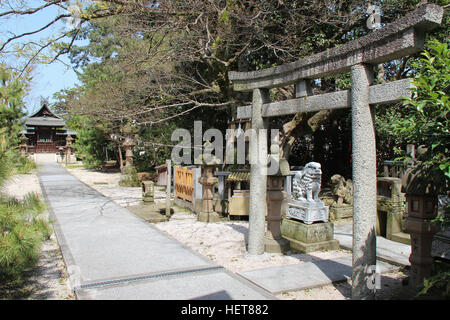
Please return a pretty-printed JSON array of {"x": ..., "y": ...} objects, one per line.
[
  {"x": 306, "y": 275},
  {"x": 387, "y": 250},
  {"x": 401, "y": 237}
]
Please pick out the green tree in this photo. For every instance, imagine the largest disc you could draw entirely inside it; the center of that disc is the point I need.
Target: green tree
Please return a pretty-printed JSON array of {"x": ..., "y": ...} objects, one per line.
[
  {"x": 426, "y": 117},
  {"x": 90, "y": 145},
  {"x": 11, "y": 104}
]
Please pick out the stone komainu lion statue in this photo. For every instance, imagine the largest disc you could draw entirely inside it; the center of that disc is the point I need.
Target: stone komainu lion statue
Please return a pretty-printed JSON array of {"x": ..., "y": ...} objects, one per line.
[
  {"x": 342, "y": 190},
  {"x": 307, "y": 182}
]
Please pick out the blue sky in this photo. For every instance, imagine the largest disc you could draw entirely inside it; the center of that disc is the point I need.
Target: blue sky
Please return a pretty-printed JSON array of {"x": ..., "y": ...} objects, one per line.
[{"x": 47, "y": 78}]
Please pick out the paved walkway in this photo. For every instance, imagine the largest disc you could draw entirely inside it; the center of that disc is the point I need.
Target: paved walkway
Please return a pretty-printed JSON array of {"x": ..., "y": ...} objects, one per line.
[
  {"x": 117, "y": 255},
  {"x": 112, "y": 254}
]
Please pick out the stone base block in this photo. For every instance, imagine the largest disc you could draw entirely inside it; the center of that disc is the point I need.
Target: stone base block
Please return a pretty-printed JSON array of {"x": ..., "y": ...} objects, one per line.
[
  {"x": 156, "y": 218},
  {"x": 341, "y": 212},
  {"x": 129, "y": 178},
  {"x": 307, "y": 211},
  {"x": 208, "y": 217},
  {"x": 152, "y": 213},
  {"x": 148, "y": 199},
  {"x": 401, "y": 237},
  {"x": 306, "y": 238},
  {"x": 197, "y": 205},
  {"x": 276, "y": 245},
  {"x": 303, "y": 247},
  {"x": 308, "y": 233}
]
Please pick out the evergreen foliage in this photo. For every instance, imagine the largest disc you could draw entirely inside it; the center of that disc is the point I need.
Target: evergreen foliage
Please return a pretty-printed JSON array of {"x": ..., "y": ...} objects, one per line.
[
  {"x": 22, "y": 227},
  {"x": 11, "y": 104}
]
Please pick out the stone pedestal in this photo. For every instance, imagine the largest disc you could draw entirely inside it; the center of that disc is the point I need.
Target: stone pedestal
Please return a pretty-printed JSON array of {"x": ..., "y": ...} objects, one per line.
[
  {"x": 306, "y": 224},
  {"x": 273, "y": 241},
  {"x": 422, "y": 233},
  {"x": 128, "y": 177},
  {"x": 208, "y": 217},
  {"x": 307, "y": 211},
  {"x": 309, "y": 237}
]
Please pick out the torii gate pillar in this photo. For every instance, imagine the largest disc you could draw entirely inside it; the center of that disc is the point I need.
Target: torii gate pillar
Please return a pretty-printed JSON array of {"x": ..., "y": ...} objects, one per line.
[{"x": 364, "y": 182}]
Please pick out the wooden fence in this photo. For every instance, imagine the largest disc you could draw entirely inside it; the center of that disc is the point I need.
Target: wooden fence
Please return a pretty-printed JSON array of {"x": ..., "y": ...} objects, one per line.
[{"x": 184, "y": 183}]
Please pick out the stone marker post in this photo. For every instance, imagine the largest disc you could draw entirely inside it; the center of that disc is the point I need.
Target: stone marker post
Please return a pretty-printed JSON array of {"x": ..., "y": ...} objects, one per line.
[
  {"x": 364, "y": 183},
  {"x": 258, "y": 174},
  {"x": 276, "y": 196},
  {"x": 148, "y": 192},
  {"x": 168, "y": 186},
  {"x": 23, "y": 146}
]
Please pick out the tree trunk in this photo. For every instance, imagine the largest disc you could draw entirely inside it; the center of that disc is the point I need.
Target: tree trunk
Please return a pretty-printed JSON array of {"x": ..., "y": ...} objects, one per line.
[
  {"x": 301, "y": 125},
  {"x": 120, "y": 156}
]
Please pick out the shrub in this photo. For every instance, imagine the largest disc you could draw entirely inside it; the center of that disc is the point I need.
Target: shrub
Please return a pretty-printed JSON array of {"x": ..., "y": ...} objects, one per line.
[
  {"x": 25, "y": 165},
  {"x": 22, "y": 227},
  {"x": 22, "y": 231}
]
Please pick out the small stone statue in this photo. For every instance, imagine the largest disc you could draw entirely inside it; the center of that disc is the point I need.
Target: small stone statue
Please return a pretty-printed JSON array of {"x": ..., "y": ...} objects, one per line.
[
  {"x": 307, "y": 183},
  {"x": 305, "y": 204},
  {"x": 342, "y": 190}
]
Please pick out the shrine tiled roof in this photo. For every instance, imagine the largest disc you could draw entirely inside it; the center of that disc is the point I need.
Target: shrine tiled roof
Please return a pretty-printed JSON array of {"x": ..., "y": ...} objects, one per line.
[
  {"x": 45, "y": 121},
  {"x": 238, "y": 176}
]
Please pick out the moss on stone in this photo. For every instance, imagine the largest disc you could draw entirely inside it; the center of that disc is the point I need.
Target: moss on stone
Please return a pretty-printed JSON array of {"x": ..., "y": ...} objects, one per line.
[{"x": 129, "y": 177}]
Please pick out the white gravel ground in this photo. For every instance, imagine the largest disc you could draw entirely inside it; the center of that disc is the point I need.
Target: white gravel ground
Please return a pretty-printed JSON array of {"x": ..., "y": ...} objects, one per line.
[{"x": 223, "y": 243}]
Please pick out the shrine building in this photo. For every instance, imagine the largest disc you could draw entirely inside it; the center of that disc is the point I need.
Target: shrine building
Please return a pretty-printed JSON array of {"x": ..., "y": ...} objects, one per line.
[{"x": 46, "y": 132}]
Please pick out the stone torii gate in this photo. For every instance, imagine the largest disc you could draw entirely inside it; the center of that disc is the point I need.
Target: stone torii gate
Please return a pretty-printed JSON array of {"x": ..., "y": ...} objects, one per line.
[{"x": 403, "y": 37}]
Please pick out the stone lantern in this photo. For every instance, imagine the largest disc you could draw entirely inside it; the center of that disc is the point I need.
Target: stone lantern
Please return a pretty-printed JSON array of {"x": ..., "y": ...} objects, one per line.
[
  {"x": 69, "y": 140},
  {"x": 129, "y": 176},
  {"x": 276, "y": 196},
  {"x": 207, "y": 180},
  {"x": 23, "y": 145},
  {"x": 421, "y": 187},
  {"x": 128, "y": 145}
]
